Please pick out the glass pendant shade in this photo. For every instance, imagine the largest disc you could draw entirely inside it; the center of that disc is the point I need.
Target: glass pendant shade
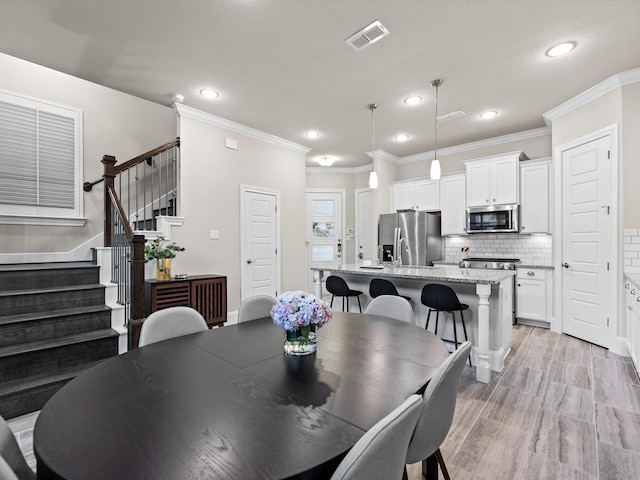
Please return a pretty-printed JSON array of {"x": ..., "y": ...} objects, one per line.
[
  {"x": 373, "y": 179},
  {"x": 435, "y": 163},
  {"x": 435, "y": 169}
]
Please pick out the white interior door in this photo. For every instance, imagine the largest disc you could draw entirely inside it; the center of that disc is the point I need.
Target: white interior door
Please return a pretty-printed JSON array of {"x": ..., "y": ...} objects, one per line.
[
  {"x": 366, "y": 233},
  {"x": 259, "y": 239},
  {"x": 324, "y": 213},
  {"x": 586, "y": 241}
]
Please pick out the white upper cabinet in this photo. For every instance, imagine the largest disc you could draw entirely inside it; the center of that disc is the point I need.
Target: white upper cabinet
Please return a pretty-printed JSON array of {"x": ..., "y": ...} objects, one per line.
[
  {"x": 534, "y": 196},
  {"x": 452, "y": 205},
  {"x": 416, "y": 195},
  {"x": 493, "y": 180}
]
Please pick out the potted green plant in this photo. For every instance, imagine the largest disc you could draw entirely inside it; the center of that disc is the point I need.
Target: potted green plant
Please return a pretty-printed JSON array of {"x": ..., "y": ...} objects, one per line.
[{"x": 161, "y": 251}]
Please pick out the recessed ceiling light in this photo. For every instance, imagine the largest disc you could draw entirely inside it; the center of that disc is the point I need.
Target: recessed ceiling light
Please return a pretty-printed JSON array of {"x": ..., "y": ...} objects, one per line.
[
  {"x": 325, "y": 161},
  {"x": 414, "y": 100},
  {"x": 489, "y": 114},
  {"x": 561, "y": 49},
  {"x": 403, "y": 137},
  {"x": 208, "y": 93},
  {"x": 312, "y": 134}
]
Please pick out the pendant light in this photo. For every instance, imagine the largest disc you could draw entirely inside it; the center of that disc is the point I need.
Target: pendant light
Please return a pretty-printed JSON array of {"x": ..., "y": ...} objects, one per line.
[
  {"x": 373, "y": 176},
  {"x": 435, "y": 163}
]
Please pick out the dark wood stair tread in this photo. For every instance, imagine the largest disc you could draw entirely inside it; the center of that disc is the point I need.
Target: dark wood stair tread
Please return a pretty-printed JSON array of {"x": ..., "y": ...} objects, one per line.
[
  {"x": 17, "y": 267},
  {"x": 24, "y": 384},
  {"x": 49, "y": 343},
  {"x": 32, "y": 291},
  {"x": 26, "y": 317}
]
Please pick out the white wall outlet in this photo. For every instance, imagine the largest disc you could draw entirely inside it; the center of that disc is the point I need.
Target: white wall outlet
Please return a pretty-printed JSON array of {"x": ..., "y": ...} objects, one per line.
[{"x": 214, "y": 235}]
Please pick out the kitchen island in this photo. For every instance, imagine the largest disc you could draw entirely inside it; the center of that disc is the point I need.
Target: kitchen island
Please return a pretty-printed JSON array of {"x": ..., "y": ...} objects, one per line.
[{"x": 489, "y": 294}]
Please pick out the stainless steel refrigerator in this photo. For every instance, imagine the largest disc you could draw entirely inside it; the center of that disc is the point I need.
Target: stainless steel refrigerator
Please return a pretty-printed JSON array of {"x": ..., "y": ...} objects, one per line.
[{"x": 410, "y": 238}]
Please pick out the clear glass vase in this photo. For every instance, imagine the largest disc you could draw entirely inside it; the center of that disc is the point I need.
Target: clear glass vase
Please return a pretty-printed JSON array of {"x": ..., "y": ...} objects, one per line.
[{"x": 300, "y": 342}]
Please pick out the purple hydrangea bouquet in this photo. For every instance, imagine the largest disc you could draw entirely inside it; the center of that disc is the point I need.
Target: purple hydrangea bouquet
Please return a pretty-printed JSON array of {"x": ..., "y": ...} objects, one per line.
[{"x": 300, "y": 314}]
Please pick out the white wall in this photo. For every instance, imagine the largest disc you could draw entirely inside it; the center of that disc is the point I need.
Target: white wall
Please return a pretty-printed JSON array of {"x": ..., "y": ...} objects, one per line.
[
  {"x": 114, "y": 123},
  {"x": 211, "y": 176}
]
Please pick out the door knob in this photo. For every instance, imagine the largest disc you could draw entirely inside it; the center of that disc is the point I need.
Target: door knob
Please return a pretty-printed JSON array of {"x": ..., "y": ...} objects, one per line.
[
  {"x": 565, "y": 265},
  {"x": 249, "y": 261}
]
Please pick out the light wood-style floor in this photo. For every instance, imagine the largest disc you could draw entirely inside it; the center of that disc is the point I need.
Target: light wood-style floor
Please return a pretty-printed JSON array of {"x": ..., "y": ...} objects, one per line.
[{"x": 561, "y": 409}]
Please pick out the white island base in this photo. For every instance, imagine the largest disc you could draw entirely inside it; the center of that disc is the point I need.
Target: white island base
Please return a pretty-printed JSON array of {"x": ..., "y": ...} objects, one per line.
[{"x": 489, "y": 294}]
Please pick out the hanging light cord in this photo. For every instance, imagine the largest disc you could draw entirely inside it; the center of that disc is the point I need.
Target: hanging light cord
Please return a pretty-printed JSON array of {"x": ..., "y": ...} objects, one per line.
[
  {"x": 372, "y": 107},
  {"x": 436, "y": 83}
]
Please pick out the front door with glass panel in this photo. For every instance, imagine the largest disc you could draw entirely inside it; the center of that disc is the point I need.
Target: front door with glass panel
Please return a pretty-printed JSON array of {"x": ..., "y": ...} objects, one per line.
[{"x": 324, "y": 230}]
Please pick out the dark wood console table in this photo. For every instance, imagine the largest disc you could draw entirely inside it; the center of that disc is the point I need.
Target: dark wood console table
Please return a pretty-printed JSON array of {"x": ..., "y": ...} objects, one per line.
[{"x": 205, "y": 293}]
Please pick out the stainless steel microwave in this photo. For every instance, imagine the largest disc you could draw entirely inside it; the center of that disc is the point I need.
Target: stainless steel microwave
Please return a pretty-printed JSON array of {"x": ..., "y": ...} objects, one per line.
[{"x": 492, "y": 219}]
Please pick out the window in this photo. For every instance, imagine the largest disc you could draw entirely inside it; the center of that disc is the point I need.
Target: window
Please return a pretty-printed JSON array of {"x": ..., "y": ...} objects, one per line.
[{"x": 40, "y": 162}]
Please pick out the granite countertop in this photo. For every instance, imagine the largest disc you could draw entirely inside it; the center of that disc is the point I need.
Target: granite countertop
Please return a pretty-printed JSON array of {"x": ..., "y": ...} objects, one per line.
[
  {"x": 443, "y": 273},
  {"x": 530, "y": 265}
]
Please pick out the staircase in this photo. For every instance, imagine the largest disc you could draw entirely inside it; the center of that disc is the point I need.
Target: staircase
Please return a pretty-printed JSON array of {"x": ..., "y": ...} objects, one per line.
[{"x": 54, "y": 325}]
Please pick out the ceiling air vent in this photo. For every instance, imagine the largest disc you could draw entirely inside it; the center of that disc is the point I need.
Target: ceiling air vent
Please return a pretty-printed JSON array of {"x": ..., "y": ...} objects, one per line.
[
  {"x": 368, "y": 35},
  {"x": 451, "y": 115}
]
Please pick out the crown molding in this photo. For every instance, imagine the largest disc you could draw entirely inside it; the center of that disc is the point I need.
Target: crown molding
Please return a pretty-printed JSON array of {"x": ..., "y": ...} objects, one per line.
[
  {"x": 466, "y": 147},
  {"x": 384, "y": 155},
  {"x": 608, "y": 85},
  {"x": 334, "y": 170},
  {"x": 216, "y": 121}
]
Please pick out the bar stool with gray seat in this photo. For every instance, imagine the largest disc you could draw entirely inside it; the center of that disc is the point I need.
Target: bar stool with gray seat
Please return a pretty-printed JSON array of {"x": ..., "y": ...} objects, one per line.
[
  {"x": 337, "y": 287},
  {"x": 382, "y": 286},
  {"x": 441, "y": 298}
]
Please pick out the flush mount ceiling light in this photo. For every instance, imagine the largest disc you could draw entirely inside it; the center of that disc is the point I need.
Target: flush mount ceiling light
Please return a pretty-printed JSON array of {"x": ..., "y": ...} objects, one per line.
[
  {"x": 561, "y": 49},
  {"x": 414, "y": 100},
  {"x": 435, "y": 163},
  {"x": 403, "y": 137},
  {"x": 208, "y": 93},
  {"x": 325, "y": 161},
  {"x": 312, "y": 134},
  {"x": 373, "y": 176},
  {"x": 489, "y": 114}
]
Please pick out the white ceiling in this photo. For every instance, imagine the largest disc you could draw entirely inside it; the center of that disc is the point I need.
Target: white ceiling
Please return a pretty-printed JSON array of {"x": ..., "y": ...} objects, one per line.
[{"x": 282, "y": 66}]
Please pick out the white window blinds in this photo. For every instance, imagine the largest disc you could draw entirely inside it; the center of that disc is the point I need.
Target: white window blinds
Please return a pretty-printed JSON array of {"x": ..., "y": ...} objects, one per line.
[{"x": 39, "y": 158}]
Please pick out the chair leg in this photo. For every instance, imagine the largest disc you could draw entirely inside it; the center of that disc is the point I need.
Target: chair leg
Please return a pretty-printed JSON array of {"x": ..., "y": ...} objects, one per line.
[
  {"x": 331, "y": 306},
  {"x": 437, "y": 318},
  {"x": 443, "y": 467},
  {"x": 405, "y": 475},
  {"x": 426, "y": 327},
  {"x": 463, "y": 327},
  {"x": 455, "y": 329},
  {"x": 430, "y": 468},
  {"x": 359, "y": 304}
]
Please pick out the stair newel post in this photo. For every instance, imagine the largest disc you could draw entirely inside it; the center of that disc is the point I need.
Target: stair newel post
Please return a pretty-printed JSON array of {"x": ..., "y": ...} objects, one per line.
[
  {"x": 137, "y": 293},
  {"x": 109, "y": 162}
]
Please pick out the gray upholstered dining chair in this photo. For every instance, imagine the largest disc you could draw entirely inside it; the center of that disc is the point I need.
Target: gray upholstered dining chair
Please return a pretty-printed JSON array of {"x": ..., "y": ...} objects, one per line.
[
  {"x": 381, "y": 451},
  {"x": 252, "y": 308},
  {"x": 12, "y": 462},
  {"x": 169, "y": 323},
  {"x": 439, "y": 404},
  {"x": 391, "y": 306}
]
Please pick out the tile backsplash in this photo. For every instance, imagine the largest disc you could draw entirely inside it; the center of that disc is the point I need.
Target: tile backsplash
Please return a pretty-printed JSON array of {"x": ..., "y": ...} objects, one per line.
[
  {"x": 632, "y": 250},
  {"x": 530, "y": 249}
]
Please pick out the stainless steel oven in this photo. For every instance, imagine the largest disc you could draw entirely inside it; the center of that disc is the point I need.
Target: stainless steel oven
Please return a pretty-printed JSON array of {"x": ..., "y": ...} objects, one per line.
[{"x": 492, "y": 219}]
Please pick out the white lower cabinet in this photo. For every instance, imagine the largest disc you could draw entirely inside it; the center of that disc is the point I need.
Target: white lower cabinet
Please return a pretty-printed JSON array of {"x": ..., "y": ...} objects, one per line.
[
  {"x": 632, "y": 298},
  {"x": 533, "y": 300}
]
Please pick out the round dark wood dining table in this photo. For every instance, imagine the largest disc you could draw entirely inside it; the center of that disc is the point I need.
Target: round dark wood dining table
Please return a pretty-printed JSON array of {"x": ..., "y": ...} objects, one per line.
[{"x": 229, "y": 404}]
